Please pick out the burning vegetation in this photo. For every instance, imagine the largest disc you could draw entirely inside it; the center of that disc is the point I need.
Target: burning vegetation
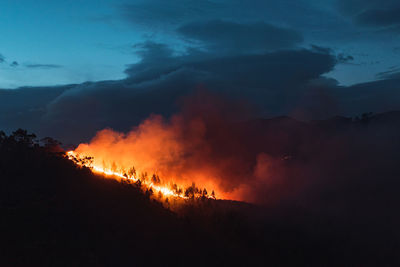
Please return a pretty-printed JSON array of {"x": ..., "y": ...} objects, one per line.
[{"x": 153, "y": 185}]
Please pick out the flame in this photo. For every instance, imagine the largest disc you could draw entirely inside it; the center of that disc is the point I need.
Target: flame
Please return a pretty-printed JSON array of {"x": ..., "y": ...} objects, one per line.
[
  {"x": 164, "y": 190},
  {"x": 187, "y": 156}
]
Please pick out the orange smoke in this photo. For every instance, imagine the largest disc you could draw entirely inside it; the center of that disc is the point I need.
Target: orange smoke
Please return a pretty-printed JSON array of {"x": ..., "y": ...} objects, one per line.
[
  {"x": 204, "y": 145},
  {"x": 173, "y": 151}
]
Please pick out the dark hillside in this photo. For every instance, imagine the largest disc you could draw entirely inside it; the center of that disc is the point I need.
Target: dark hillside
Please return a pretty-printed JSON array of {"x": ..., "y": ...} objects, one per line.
[{"x": 56, "y": 214}]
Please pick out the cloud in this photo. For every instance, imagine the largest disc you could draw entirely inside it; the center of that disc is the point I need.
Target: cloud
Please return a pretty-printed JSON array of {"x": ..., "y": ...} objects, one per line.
[
  {"x": 286, "y": 82},
  {"x": 343, "y": 58},
  {"x": 380, "y": 17},
  {"x": 160, "y": 15},
  {"x": 273, "y": 82},
  {"x": 320, "y": 49},
  {"x": 373, "y": 13},
  {"x": 231, "y": 36},
  {"x": 14, "y": 64},
  {"x": 255, "y": 63},
  {"x": 43, "y": 66},
  {"x": 392, "y": 73},
  {"x": 24, "y": 107}
]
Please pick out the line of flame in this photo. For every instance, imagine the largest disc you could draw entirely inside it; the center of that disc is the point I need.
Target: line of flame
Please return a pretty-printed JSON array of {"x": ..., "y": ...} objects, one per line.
[{"x": 165, "y": 191}]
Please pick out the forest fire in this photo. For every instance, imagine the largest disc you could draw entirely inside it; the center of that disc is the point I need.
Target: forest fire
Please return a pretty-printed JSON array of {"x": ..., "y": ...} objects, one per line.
[
  {"x": 180, "y": 157},
  {"x": 153, "y": 185}
]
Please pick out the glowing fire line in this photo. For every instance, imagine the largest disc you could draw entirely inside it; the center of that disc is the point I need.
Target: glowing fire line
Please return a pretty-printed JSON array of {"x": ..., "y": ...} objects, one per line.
[{"x": 165, "y": 191}]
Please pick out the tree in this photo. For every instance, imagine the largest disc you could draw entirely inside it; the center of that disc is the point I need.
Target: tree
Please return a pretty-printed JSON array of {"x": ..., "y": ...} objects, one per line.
[
  {"x": 205, "y": 192},
  {"x": 179, "y": 192},
  {"x": 3, "y": 137},
  {"x": 138, "y": 183},
  {"x": 22, "y": 137},
  {"x": 366, "y": 117},
  {"x": 51, "y": 144},
  {"x": 175, "y": 188},
  {"x": 190, "y": 191},
  {"x": 132, "y": 172},
  {"x": 155, "y": 179},
  {"x": 143, "y": 176},
  {"x": 85, "y": 161},
  {"x": 149, "y": 192}
]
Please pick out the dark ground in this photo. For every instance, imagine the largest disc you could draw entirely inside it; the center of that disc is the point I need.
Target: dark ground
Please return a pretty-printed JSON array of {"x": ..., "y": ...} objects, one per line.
[{"x": 56, "y": 214}]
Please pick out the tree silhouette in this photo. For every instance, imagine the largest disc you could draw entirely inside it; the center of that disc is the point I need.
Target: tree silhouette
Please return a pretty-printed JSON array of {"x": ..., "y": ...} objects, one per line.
[
  {"x": 143, "y": 176},
  {"x": 132, "y": 172},
  {"x": 155, "y": 179},
  {"x": 205, "y": 192},
  {"x": 3, "y": 137},
  {"x": 22, "y": 137},
  {"x": 51, "y": 144}
]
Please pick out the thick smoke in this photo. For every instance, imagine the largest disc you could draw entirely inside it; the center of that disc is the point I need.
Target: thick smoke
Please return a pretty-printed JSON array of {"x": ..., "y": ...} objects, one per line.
[
  {"x": 212, "y": 143},
  {"x": 202, "y": 144}
]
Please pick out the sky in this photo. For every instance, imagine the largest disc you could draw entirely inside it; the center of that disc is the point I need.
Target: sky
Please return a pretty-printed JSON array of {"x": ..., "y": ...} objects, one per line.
[
  {"x": 112, "y": 63},
  {"x": 64, "y": 42}
]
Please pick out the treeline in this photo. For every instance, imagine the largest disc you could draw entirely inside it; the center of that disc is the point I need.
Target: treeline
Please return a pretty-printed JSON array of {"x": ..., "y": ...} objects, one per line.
[
  {"x": 24, "y": 140},
  {"x": 147, "y": 183}
]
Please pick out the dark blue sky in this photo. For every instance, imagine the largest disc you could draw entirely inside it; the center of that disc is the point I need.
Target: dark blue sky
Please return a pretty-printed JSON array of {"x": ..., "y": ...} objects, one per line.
[
  {"x": 61, "y": 42},
  {"x": 122, "y": 60}
]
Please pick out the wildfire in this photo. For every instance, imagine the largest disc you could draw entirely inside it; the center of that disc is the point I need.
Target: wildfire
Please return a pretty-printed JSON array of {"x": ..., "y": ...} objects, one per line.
[{"x": 166, "y": 191}]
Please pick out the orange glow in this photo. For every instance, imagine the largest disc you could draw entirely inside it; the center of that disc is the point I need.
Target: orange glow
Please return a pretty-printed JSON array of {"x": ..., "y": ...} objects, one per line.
[
  {"x": 164, "y": 190},
  {"x": 180, "y": 157}
]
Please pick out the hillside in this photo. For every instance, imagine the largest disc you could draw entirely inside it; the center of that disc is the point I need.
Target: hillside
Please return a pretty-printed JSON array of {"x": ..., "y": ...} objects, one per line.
[{"x": 57, "y": 214}]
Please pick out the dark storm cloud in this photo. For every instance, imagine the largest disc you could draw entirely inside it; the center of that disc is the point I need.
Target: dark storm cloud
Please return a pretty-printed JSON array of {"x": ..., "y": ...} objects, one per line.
[
  {"x": 232, "y": 36},
  {"x": 272, "y": 80},
  {"x": 43, "y": 66},
  {"x": 157, "y": 15},
  {"x": 380, "y": 17},
  {"x": 275, "y": 83},
  {"x": 373, "y": 13},
  {"x": 254, "y": 62},
  {"x": 24, "y": 107}
]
